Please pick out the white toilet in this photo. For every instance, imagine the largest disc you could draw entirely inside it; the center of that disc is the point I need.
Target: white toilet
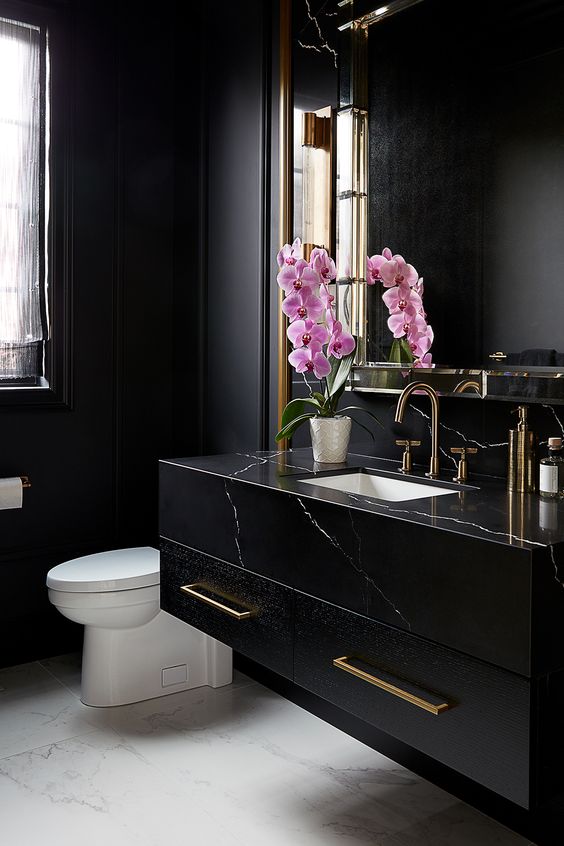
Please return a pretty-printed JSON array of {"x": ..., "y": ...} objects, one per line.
[{"x": 132, "y": 650}]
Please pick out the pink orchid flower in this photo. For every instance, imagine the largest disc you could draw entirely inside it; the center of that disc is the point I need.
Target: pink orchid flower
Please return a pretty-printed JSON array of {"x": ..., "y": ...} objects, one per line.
[
  {"x": 425, "y": 361},
  {"x": 402, "y": 298},
  {"x": 304, "y": 332},
  {"x": 400, "y": 324},
  {"x": 302, "y": 305},
  {"x": 326, "y": 298},
  {"x": 330, "y": 320},
  {"x": 374, "y": 264},
  {"x": 419, "y": 287},
  {"x": 310, "y": 359},
  {"x": 323, "y": 264},
  {"x": 296, "y": 277},
  {"x": 290, "y": 253},
  {"x": 341, "y": 343},
  {"x": 396, "y": 270},
  {"x": 420, "y": 342}
]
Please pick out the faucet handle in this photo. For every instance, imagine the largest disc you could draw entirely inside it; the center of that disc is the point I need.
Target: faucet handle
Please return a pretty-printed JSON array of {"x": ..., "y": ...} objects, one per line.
[
  {"x": 462, "y": 467},
  {"x": 407, "y": 460}
]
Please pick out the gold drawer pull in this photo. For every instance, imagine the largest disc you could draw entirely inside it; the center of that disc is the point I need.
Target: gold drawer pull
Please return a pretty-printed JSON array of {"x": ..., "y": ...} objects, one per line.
[
  {"x": 341, "y": 664},
  {"x": 191, "y": 590}
]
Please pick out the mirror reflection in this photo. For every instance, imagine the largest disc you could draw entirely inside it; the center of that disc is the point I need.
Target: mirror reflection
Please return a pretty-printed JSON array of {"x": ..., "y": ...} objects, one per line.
[{"x": 466, "y": 178}]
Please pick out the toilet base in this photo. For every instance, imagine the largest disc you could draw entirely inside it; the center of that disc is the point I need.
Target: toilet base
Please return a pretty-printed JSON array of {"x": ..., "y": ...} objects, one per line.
[{"x": 122, "y": 666}]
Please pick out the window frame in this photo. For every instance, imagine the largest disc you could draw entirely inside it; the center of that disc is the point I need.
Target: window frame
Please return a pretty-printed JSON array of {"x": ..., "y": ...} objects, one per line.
[{"x": 55, "y": 390}]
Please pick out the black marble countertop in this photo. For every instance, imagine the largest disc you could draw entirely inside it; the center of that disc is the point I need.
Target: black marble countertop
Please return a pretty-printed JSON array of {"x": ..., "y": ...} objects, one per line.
[{"x": 483, "y": 508}]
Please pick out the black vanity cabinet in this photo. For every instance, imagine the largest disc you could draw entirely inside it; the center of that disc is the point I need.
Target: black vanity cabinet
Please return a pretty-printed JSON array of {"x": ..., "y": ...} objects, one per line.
[
  {"x": 310, "y": 586},
  {"x": 250, "y": 613}
]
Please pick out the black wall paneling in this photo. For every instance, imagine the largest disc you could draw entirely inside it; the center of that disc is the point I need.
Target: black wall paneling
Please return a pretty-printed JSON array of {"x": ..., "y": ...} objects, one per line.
[
  {"x": 238, "y": 282},
  {"x": 93, "y": 465},
  {"x": 170, "y": 272}
]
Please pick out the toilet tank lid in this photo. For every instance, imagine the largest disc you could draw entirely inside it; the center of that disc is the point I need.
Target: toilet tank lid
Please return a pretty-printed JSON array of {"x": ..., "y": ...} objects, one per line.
[{"x": 118, "y": 569}]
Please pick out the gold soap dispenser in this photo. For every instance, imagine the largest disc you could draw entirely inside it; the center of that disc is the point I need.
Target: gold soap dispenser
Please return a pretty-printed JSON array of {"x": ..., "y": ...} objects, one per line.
[{"x": 522, "y": 462}]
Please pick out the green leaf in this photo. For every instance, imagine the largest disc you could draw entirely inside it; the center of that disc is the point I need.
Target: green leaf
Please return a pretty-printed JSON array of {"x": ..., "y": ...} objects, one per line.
[
  {"x": 337, "y": 384},
  {"x": 335, "y": 364},
  {"x": 400, "y": 352},
  {"x": 297, "y": 407},
  {"x": 319, "y": 397},
  {"x": 288, "y": 431}
]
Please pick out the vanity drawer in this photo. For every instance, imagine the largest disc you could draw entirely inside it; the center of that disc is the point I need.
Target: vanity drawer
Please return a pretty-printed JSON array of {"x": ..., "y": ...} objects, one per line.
[
  {"x": 462, "y": 712},
  {"x": 250, "y": 613}
]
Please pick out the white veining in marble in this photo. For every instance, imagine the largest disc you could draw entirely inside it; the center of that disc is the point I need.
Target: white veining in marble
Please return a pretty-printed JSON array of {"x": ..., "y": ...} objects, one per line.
[
  {"x": 557, "y": 418},
  {"x": 236, "y": 765},
  {"x": 237, "y": 526},
  {"x": 272, "y": 458},
  {"x": 436, "y": 517},
  {"x": 35, "y": 709},
  {"x": 356, "y": 566},
  {"x": 460, "y": 435},
  {"x": 98, "y": 789},
  {"x": 323, "y": 44}
]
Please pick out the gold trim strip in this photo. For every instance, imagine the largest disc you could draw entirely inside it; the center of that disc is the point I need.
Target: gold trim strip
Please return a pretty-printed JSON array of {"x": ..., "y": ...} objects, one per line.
[
  {"x": 341, "y": 664},
  {"x": 286, "y": 191},
  {"x": 191, "y": 591}
]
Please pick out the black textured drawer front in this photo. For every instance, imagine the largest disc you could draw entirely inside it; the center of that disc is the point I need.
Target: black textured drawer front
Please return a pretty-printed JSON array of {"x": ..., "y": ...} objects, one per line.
[
  {"x": 484, "y": 732},
  {"x": 256, "y": 617}
]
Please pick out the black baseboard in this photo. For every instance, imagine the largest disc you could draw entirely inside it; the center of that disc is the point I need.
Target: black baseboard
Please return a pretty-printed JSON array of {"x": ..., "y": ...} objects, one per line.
[{"x": 544, "y": 827}]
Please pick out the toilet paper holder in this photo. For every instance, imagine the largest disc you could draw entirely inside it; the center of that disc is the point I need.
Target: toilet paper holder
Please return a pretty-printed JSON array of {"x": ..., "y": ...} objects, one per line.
[{"x": 25, "y": 482}]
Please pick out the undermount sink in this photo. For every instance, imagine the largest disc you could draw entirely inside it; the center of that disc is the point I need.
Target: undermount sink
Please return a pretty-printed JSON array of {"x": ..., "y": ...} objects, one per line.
[{"x": 378, "y": 487}]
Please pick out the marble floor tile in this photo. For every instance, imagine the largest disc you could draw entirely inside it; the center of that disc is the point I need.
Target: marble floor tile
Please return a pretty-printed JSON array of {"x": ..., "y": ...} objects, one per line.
[
  {"x": 95, "y": 790},
  {"x": 271, "y": 766},
  {"x": 36, "y": 709},
  {"x": 66, "y": 669},
  {"x": 235, "y": 765}
]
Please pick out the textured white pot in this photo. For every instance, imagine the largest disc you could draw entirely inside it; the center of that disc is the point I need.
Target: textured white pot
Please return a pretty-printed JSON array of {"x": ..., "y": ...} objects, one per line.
[{"x": 330, "y": 438}]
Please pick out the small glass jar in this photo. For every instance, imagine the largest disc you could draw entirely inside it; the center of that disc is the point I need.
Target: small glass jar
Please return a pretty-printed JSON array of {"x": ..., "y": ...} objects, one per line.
[{"x": 551, "y": 476}]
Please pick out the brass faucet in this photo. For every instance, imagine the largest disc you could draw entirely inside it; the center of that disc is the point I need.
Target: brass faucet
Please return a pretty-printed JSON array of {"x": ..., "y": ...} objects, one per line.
[
  {"x": 400, "y": 411},
  {"x": 467, "y": 385}
]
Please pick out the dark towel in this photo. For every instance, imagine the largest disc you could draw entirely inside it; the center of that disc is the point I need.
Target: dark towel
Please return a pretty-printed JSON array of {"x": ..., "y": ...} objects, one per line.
[{"x": 537, "y": 358}]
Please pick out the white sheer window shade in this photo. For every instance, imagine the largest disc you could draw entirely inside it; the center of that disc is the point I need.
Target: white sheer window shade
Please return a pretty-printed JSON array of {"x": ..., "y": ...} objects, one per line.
[{"x": 23, "y": 206}]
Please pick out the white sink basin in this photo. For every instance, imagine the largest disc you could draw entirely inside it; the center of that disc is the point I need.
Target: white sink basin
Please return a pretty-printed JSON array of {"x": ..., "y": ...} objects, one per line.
[{"x": 378, "y": 487}]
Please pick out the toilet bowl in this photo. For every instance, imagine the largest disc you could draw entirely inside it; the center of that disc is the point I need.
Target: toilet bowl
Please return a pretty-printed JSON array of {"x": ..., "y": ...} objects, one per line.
[{"x": 132, "y": 649}]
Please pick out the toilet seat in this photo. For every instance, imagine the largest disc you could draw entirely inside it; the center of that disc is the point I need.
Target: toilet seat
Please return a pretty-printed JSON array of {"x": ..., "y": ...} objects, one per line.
[{"x": 116, "y": 570}]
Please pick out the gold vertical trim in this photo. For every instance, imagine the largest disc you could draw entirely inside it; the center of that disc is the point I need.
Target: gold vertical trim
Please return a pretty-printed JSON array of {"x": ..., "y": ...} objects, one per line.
[{"x": 286, "y": 194}]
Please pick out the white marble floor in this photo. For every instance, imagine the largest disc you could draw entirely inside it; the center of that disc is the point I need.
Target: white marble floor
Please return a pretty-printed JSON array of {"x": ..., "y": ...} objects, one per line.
[{"x": 238, "y": 765}]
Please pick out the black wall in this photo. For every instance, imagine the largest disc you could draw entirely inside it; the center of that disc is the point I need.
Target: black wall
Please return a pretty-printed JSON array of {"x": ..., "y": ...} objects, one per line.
[
  {"x": 93, "y": 464},
  {"x": 170, "y": 277}
]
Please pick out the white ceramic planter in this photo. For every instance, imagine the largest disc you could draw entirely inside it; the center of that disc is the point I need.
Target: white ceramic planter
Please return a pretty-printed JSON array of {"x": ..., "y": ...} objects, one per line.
[{"x": 330, "y": 438}]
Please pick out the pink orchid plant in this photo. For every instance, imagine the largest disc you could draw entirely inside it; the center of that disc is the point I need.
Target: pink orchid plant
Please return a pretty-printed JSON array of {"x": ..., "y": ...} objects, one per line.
[
  {"x": 403, "y": 297},
  {"x": 321, "y": 347}
]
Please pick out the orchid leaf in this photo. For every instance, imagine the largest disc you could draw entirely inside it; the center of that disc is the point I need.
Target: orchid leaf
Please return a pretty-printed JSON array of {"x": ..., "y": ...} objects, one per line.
[
  {"x": 297, "y": 407},
  {"x": 337, "y": 378},
  {"x": 288, "y": 430}
]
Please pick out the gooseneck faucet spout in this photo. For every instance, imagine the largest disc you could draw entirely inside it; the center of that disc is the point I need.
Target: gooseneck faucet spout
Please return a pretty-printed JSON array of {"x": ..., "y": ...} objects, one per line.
[{"x": 400, "y": 411}]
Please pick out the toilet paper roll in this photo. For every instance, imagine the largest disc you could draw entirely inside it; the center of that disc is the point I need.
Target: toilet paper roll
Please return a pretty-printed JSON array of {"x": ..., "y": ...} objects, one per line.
[{"x": 11, "y": 493}]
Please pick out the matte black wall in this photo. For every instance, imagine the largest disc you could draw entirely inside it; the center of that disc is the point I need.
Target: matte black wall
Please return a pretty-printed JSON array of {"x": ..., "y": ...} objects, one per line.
[
  {"x": 93, "y": 465},
  {"x": 171, "y": 279}
]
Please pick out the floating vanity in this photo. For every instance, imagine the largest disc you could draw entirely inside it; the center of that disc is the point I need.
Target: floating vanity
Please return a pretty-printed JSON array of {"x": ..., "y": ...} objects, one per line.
[{"x": 430, "y": 610}]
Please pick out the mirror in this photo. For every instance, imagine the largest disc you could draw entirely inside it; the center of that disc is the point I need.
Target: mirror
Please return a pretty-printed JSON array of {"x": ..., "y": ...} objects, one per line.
[{"x": 464, "y": 153}]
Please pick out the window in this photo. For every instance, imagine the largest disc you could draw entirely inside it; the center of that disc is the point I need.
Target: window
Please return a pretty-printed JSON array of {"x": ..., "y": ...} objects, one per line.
[{"x": 24, "y": 205}]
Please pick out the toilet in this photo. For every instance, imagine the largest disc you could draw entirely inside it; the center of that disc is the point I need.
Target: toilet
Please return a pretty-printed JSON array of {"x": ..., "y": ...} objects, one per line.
[{"x": 132, "y": 649}]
